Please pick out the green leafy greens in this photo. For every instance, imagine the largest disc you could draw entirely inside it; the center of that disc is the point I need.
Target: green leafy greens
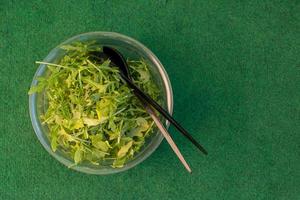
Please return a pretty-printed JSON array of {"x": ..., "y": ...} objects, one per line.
[{"x": 92, "y": 115}]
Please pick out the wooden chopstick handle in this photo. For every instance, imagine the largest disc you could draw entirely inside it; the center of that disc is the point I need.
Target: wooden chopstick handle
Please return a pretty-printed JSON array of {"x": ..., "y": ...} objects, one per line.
[
  {"x": 168, "y": 138},
  {"x": 164, "y": 132},
  {"x": 162, "y": 111}
]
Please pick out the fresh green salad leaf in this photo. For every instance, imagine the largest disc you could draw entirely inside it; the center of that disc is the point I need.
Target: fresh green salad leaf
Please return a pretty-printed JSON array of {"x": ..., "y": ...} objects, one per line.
[{"x": 92, "y": 115}]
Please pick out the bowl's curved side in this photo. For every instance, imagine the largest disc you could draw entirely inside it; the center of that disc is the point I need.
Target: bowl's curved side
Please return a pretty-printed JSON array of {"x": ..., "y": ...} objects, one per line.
[{"x": 38, "y": 128}]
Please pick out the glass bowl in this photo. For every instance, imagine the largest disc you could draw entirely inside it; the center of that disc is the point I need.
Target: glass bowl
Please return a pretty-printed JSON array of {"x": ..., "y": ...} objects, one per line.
[{"x": 131, "y": 49}]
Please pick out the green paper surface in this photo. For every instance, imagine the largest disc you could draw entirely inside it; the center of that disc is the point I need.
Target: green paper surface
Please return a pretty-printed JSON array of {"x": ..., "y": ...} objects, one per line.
[{"x": 234, "y": 68}]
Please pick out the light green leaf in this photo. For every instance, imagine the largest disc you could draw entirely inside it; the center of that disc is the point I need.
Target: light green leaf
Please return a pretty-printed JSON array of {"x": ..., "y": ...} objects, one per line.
[
  {"x": 142, "y": 123},
  {"x": 98, "y": 143},
  {"x": 119, "y": 162},
  {"x": 54, "y": 143},
  {"x": 145, "y": 76},
  {"x": 34, "y": 89},
  {"x": 78, "y": 156},
  {"x": 99, "y": 154},
  {"x": 93, "y": 122},
  {"x": 124, "y": 149}
]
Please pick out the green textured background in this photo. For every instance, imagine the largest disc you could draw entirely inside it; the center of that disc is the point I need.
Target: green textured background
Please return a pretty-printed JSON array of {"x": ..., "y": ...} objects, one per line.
[{"x": 234, "y": 67}]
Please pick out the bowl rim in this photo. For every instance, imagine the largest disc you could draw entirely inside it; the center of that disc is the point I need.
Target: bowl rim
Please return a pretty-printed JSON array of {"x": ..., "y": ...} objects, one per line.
[{"x": 33, "y": 100}]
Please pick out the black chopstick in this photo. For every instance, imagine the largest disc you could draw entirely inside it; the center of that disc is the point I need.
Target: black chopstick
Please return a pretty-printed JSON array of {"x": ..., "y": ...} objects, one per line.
[{"x": 164, "y": 113}]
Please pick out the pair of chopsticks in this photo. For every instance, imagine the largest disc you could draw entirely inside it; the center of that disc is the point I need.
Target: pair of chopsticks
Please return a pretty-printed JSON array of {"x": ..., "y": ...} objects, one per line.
[
  {"x": 144, "y": 98},
  {"x": 164, "y": 113},
  {"x": 149, "y": 104}
]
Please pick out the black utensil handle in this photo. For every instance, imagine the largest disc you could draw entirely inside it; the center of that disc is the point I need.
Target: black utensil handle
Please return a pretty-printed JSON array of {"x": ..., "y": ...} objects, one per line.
[{"x": 163, "y": 112}]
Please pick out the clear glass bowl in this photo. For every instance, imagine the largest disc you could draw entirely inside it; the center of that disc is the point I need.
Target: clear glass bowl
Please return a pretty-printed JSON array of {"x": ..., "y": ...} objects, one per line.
[{"x": 131, "y": 49}]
